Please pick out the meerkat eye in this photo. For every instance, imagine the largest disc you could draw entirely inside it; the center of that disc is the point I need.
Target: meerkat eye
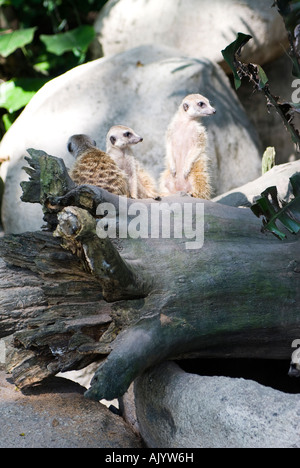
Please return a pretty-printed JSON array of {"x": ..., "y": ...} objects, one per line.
[
  {"x": 201, "y": 104},
  {"x": 127, "y": 134},
  {"x": 113, "y": 140}
]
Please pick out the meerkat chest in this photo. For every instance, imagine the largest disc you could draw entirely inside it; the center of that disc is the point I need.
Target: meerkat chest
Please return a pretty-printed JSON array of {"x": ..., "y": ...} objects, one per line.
[
  {"x": 183, "y": 140},
  {"x": 128, "y": 164}
]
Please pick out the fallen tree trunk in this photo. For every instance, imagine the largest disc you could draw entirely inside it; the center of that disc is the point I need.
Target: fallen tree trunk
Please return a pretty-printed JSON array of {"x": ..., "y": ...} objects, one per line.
[{"x": 133, "y": 302}]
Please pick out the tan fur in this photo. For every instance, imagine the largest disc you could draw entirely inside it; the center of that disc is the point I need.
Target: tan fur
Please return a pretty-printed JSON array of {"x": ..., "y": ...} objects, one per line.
[
  {"x": 95, "y": 167},
  {"x": 119, "y": 141},
  {"x": 186, "y": 158},
  {"x": 2, "y": 160}
]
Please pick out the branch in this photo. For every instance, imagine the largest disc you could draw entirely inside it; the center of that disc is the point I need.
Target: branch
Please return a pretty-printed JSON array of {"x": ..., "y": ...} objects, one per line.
[
  {"x": 259, "y": 79},
  {"x": 48, "y": 177},
  {"x": 118, "y": 279}
]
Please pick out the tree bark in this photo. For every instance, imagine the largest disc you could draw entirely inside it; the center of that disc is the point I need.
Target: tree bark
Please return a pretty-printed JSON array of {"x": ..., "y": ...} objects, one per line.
[{"x": 73, "y": 298}]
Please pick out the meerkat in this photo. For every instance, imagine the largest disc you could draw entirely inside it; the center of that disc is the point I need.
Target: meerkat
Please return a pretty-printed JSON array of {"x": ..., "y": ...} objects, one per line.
[
  {"x": 95, "y": 167},
  {"x": 186, "y": 159},
  {"x": 119, "y": 141}
]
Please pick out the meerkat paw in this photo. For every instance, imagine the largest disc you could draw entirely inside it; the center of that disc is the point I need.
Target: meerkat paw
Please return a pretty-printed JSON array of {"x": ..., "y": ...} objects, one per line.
[{"x": 184, "y": 194}]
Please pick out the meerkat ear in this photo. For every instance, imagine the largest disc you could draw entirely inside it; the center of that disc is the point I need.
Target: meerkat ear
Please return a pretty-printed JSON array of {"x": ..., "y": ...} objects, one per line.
[
  {"x": 185, "y": 106},
  {"x": 70, "y": 147},
  {"x": 113, "y": 140}
]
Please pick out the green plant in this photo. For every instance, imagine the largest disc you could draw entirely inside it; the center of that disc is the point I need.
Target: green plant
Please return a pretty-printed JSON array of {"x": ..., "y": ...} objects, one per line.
[
  {"x": 269, "y": 206},
  {"x": 259, "y": 79},
  {"x": 272, "y": 209},
  {"x": 268, "y": 159},
  {"x": 51, "y": 37}
]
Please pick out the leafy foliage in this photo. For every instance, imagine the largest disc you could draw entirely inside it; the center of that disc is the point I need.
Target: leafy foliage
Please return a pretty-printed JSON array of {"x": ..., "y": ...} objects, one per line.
[
  {"x": 233, "y": 51},
  {"x": 51, "y": 37},
  {"x": 16, "y": 93},
  {"x": 76, "y": 41},
  {"x": 272, "y": 209},
  {"x": 259, "y": 79},
  {"x": 268, "y": 159},
  {"x": 10, "y": 42}
]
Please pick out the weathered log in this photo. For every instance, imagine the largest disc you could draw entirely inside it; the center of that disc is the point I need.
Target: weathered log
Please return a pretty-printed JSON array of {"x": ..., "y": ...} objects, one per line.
[
  {"x": 236, "y": 296},
  {"x": 53, "y": 309}
]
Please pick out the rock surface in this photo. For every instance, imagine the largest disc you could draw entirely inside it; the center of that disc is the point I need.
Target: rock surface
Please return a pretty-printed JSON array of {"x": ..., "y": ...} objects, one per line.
[
  {"x": 248, "y": 193},
  {"x": 198, "y": 28},
  {"x": 181, "y": 410},
  {"x": 151, "y": 83},
  {"x": 56, "y": 415}
]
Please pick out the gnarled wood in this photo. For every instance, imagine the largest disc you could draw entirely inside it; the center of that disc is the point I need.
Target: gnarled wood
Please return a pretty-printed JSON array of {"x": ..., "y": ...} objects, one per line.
[{"x": 237, "y": 296}]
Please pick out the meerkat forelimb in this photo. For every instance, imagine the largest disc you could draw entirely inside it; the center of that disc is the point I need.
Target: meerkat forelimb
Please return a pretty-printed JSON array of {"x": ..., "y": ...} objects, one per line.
[
  {"x": 186, "y": 159},
  {"x": 119, "y": 142},
  {"x": 95, "y": 167}
]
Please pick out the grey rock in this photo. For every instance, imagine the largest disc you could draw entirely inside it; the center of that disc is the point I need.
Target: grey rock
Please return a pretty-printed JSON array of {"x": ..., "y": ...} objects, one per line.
[
  {"x": 181, "y": 410},
  {"x": 247, "y": 194},
  {"x": 141, "y": 88},
  {"x": 198, "y": 28},
  {"x": 56, "y": 415}
]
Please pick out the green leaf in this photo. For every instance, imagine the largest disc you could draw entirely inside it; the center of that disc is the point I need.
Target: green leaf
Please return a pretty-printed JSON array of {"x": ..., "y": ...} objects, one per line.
[
  {"x": 263, "y": 79},
  {"x": 16, "y": 93},
  {"x": 76, "y": 40},
  {"x": 9, "y": 42},
  {"x": 272, "y": 209},
  {"x": 268, "y": 160},
  {"x": 231, "y": 52},
  {"x": 8, "y": 120}
]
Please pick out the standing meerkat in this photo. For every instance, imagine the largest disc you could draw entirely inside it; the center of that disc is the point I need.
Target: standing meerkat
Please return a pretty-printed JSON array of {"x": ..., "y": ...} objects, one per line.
[
  {"x": 119, "y": 141},
  {"x": 94, "y": 167},
  {"x": 186, "y": 159}
]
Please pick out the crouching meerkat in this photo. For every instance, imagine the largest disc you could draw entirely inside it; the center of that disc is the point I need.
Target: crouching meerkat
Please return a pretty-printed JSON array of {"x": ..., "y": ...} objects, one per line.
[
  {"x": 119, "y": 141},
  {"x": 186, "y": 159},
  {"x": 95, "y": 167}
]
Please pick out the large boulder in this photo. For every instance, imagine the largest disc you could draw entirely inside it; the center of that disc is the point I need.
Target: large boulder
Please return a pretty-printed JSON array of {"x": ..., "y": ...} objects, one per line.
[
  {"x": 141, "y": 88},
  {"x": 176, "y": 409},
  {"x": 199, "y": 28},
  {"x": 56, "y": 415}
]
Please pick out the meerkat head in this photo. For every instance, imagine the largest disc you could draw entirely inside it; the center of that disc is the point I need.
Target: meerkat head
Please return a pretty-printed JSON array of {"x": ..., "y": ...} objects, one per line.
[
  {"x": 122, "y": 137},
  {"x": 196, "y": 106},
  {"x": 78, "y": 144}
]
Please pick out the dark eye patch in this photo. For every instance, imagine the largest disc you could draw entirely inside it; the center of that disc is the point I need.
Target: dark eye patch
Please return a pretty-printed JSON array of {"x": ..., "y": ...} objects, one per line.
[
  {"x": 127, "y": 134},
  {"x": 201, "y": 104}
]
